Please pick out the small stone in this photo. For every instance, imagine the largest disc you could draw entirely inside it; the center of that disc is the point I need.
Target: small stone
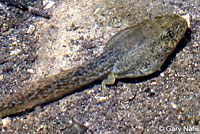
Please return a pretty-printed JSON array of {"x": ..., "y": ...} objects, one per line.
[
  {"x": 162, "y": 74},
  {"x": 15, "y": 52},
  {"x": 6, "y": 122},
  {"x": 101, "y": 99},
  {"x": 48, "y": 4},
  {"x": 1, "y": 77},
  {"x": 174, "y": 105},
  {"x": 30, "y": 70}
]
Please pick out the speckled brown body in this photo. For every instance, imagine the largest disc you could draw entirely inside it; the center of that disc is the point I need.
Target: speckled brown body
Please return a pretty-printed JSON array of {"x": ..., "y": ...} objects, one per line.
[{"x": 133, "y": 52}]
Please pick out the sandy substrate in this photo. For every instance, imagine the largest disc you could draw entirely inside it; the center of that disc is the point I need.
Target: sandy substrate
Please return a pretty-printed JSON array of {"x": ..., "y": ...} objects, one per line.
[{"x": 165, "y": 102}]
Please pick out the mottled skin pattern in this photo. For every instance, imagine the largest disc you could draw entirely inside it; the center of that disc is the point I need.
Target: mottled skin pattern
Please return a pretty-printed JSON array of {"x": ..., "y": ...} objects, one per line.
[{"x": 133, "y": 52}]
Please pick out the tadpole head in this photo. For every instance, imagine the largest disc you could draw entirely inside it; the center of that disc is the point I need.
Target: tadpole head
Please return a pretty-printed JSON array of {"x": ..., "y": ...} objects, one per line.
[{"x": 173, "y": 28}]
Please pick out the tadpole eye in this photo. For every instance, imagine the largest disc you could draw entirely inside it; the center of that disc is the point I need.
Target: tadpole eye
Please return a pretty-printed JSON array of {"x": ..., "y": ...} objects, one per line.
[
  {"x": 170, "y": 34},
  {"x": 167, "y": 34}
]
